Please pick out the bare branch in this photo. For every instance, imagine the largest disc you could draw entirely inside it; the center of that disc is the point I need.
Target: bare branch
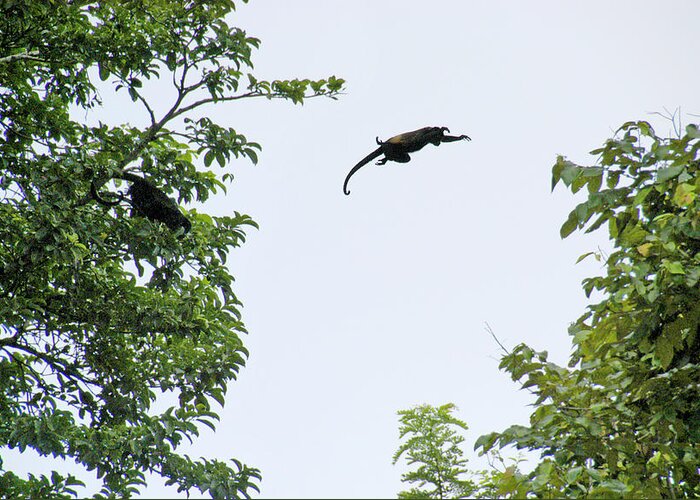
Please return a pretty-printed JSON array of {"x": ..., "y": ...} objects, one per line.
[
  {"x": 146, "y": 105},
  {"x": 209, "y": 100},
  {"x": 490, "y": 330}
]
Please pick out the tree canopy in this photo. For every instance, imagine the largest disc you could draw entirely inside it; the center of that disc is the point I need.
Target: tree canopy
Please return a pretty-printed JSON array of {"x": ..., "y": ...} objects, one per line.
[
  {"x": 104, "y": 310},
  {"x": 622, "y": 418},
  {"x": 432, "y": 447}
]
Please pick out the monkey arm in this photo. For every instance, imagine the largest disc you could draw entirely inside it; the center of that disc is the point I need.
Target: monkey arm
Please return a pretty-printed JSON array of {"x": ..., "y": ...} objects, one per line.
[
  {"x": 128, "y": 176},
  {"x": 361, "y": 164},
  {"x": 102, "y": 201},
  {"x": 452, "y": 138}
]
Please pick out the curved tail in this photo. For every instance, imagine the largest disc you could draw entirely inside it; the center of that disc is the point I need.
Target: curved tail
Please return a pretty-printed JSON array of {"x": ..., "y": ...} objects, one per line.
[{"x": 361, "y": 164}]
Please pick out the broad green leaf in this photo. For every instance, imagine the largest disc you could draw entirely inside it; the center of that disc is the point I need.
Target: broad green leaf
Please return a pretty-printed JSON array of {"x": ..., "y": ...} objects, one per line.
[
  {"x": 573, "y": 474},
  {"x": 594, "y": 183},
  {"x": 103, "y": 71},
  {"x": 570, "y": 172},
  {"x": 674, "y": 267},
  {"x": 583, "y": 256},
  {"x": 612, "y": 179},
  {"x": 692, "y": 131},
  {"x": 645, "y": 249},
  {"x": 569, "y": 226},
  {"x": 209, "y": 158},
  {"x": 665, "y": 174},
  {"x": 684, "y": 195}
]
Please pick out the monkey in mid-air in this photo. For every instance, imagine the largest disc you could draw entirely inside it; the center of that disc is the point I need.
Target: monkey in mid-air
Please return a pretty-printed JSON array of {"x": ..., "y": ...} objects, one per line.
[
  {"x": 149, "y": 201},
  {"x": 397, "y": 148}
]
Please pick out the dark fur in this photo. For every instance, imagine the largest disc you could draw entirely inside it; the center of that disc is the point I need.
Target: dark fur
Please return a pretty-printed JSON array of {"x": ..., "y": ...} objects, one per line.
[
  {"x": 398, "y": 147},
  {"x": 150, "y": 202}
]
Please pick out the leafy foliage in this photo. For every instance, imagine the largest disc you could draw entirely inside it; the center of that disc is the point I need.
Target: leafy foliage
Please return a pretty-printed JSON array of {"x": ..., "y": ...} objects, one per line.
[
  {"x": 433, "y": 446},
  {"x": 623, "y": 418},
  {"x": 102, "y": 313}
]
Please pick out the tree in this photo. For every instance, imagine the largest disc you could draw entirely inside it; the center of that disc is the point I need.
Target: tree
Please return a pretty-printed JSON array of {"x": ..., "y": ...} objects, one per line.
[
  {"x": 103, "y": 313},
  {"x": 623, "y": 418},
  {"x": 433, "y": 445}
]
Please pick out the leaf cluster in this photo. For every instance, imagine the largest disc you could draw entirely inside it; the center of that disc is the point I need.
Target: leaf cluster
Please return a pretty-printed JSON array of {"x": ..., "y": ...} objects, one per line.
[
  {"x": 104, "y": 312},
  {"x": 433, "y": 449},
  {"x": 622, "y": 419}
]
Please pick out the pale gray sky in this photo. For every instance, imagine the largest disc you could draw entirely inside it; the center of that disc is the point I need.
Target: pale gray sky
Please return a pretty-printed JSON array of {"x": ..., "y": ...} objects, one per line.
[{"x": 362, "y": 305}]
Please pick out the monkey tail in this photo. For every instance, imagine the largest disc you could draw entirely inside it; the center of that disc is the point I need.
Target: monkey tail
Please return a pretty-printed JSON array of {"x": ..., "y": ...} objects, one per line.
[{"x": 361, "y": 164}]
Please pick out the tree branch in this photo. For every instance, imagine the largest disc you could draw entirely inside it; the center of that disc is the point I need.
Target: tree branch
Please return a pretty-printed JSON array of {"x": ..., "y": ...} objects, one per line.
[
  {"x": 9, "y": 341},
  {"x": 32, "y": 55},
  {"x": 490, "y": 330},
  {"x": 146, "y": 105},
  {"x": 55, "y": 364},
  {"x": 209, "y": 100}
]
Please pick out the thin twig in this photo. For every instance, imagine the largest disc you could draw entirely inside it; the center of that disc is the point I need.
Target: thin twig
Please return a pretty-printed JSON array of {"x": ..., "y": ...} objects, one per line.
[{"x": 490, "y": 330}]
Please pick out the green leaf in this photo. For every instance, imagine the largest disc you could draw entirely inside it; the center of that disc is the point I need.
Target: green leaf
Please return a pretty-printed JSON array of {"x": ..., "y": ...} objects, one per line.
[
  {"x": 594, "y": 183},
  {"x": 253, "y": 156},
  {"x": 582, "y": 257},
  {"x": 615, "y": 486},
  {"x": 209, "y": 158},
  {"x": 221, "y": 160},
  {"x": 599, "y": 221},
  {"x": 569, "y": 226},
  {"x": 665, "y": 174},
  {"x": 583, "y": 212},
  {"x": 674, "y": 267},
  {"x": 570, "y": 173},
  {"x": 573, "y": 474},
  {"x": 684, "y": 195},
  {"x": 103, "y": 71},
  {"x": 663, "y": 352},
  {"x": 692, "y": 131},
  {"x": 645, "y": 249},
  {"x": 613, "y": 178},
  {"x": 486, "y": 441}
]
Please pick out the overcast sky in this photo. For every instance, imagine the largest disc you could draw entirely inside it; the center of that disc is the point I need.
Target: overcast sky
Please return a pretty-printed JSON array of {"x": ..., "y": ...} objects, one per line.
[{"x": 362, "y": 305}]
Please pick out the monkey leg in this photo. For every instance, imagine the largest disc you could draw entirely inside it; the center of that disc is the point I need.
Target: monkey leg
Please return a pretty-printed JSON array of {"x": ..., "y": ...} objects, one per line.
[{"x": 397, "y": 157}]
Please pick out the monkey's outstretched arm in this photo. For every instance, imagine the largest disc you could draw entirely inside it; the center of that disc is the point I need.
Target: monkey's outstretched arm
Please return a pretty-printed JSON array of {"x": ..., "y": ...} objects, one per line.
[
  {"x": 102, "y": 201},
  {"x": 452, "y": 138},
  {"x": 122, "y": 175},
  {"x": 128, "y": 176},
  {"x": 361, "y": 164}
]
